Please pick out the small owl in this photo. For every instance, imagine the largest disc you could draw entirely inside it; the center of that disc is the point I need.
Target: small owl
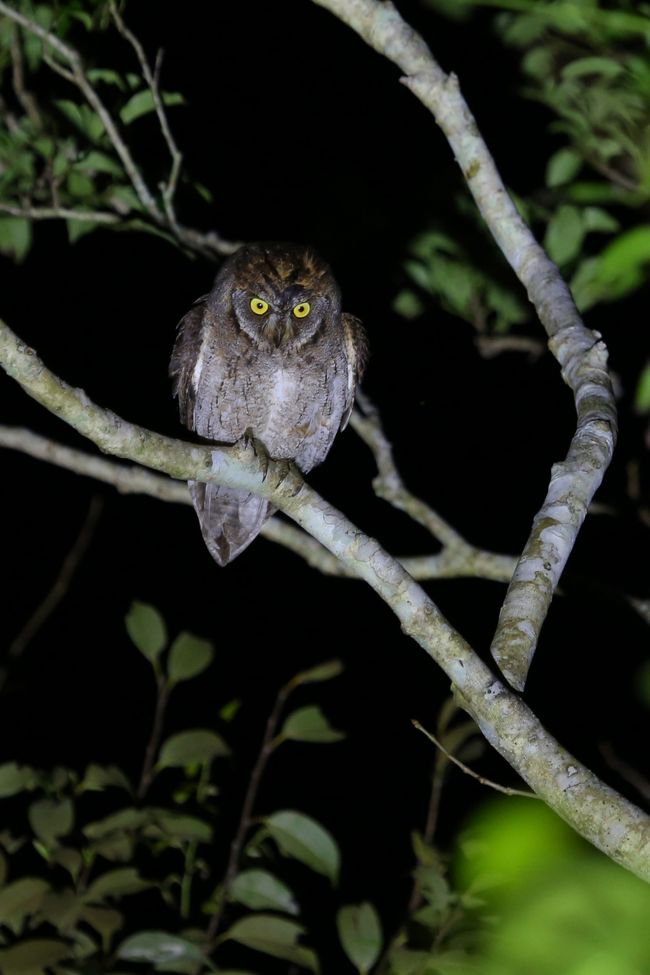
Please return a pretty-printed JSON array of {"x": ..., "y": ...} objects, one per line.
[{"x": 267, "y": 353}]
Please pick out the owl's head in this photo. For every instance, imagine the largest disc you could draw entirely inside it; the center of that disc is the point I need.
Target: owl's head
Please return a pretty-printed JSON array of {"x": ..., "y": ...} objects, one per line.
[{"x": 281, "y": 295}]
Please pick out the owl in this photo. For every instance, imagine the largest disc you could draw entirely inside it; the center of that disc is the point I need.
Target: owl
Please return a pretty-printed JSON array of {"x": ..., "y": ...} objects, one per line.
[{"x": 268, "y": 354}]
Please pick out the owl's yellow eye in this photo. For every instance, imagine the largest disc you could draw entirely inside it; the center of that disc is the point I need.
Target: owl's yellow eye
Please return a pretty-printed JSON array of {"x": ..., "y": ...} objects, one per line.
[
  {"x": 302, "y": 310},
  {"x": 259, "y": 306}
]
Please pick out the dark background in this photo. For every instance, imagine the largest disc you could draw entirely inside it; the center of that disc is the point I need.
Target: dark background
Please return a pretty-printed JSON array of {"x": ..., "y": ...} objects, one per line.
[{"x": 303, "y": 133}]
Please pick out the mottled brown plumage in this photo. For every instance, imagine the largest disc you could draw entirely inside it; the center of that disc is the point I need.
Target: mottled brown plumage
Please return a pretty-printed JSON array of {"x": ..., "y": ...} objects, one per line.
[{"x": 268, "y": 353}]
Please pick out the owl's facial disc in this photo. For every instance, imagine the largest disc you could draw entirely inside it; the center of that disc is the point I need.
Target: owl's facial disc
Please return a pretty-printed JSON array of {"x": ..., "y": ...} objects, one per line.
[{"x": 287, "y": 320}]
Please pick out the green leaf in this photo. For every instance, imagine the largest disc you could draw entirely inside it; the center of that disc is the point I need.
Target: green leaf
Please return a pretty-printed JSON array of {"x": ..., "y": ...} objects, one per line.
[
  {"x": 597, "y": 220},
  {"x": 21, "y": 898},
  {"x": 51, "y": 818},
  {"x": 274, "y": 936},
  {"x": 309, "y": 724},
  {"x": 564, "y": 234},
  {"x": 360, "y": 935},
  {"x": 146, "y": 628},
  {"x": 260, "y": 890},
  {"x": 15, "y": 237},
  {"x": 80, "y": 228},
  {"x": 229, "y": 710},
  {"x": 16, "y": 778},
  {"x": 192, "y": 747},
  {"x": 156, "y": 947},
  {"x": 107, "y": 76},
  {"x": 99, "y": 162},
  {"x": 408, "y": 304},
  {"x": 642, "y": 392},
  {"x": 607, "y": 67},
  {"x": 100, "y": 777},
  {"x": 124, "y": 819},
  {"x": 117, "y": 883},
  {"x": 304, "y": 839},
  {"x": 33, "y": 956},
  {"x": 178, "y": 826},
  {"x": 105, "y": 920},
  {"x": 320, "y": 673},
  {"x": 142, "y": 103},
  {"x": 70, "y": 860},
  {"x": 189, "y": 656},
  {"x": 563, "y": 166}
]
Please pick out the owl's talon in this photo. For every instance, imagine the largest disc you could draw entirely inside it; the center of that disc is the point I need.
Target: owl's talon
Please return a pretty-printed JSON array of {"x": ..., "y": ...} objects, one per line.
[{"x": 251, "y": 442}]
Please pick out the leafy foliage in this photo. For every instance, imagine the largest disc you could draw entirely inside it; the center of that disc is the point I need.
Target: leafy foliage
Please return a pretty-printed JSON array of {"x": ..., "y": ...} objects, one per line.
[{"x": 103, "y": 861}]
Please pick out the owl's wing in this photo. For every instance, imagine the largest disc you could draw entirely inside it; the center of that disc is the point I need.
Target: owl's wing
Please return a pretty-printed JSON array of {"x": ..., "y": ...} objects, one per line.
[
  {"x": 229, "y": 519},
  {"x": 356, "y": 353},
  {"x": 183, "y": 361}
]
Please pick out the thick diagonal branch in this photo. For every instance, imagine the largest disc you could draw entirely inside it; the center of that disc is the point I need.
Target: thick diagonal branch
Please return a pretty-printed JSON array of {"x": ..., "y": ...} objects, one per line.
[
  {"x": 581, "y": 354},
  {"x": 608, "y": 820}
]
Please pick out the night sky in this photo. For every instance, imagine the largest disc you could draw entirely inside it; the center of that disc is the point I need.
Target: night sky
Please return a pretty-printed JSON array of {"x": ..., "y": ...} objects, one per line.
[{"x": 303, "y": 133}]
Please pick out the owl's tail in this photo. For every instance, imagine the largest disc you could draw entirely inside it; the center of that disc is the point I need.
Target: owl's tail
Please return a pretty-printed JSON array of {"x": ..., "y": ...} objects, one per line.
[{"x": 229, "y": 519}]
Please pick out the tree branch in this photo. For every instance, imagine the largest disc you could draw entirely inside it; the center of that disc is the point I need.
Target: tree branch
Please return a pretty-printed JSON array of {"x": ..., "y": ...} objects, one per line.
[
  {"x": 60, "y": 213},
  {"x": 135, "y": 480},
  {"x": 581, "y": 354},
  {"x": 606, "y": 819}
]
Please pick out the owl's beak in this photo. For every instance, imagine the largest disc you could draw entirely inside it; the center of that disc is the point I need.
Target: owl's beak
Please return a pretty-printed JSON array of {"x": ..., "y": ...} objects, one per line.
[{"x": 278, "y": 331}]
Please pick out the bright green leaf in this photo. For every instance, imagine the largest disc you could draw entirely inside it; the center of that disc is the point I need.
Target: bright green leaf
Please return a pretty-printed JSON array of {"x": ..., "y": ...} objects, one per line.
[
  {"x": 408, "y": 304},
  {"x": 261, "y": 891},
  {"x": 155, "y": 947},
  {"x": 33, "y": 955},
  {"x": 360, "y": 935},
  {"x": 99, "y": 162},
  {"x": 274, "y": 936},
  {"x": 146, "y": 628},
  {"x": 106, "y": 75},
  {"x": 597, "y": 220},
  {"x": 642, "y": 392},
  {"x": 607, "y": 67},
  {"x": 142, "y": 103},
  {"x": 189, "y": 656},
  {"x": 563, "y": 166},
  {"x": 304, "y": 839},
  {"x": 116, "y": 883},
  {"x": 15, "y": 778},
  {"x": 15, "y": 237},
  {"x": 309, "y": 724},
  {"x": 564, "y": 234},
  {"x": 50, "y": 818},
  {"x": 191, "y": 747}
]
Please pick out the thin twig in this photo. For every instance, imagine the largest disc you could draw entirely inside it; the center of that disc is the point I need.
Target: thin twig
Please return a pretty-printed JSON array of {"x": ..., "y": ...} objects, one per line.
[
  {"x": 389, "y": 485},
  {"x": 59, "y": 590},
  {"x": 60, "y": 213},
  {"x": 25, "y": 97},
  {"x": 164, "y": 689},
  {"x": 168, "y": 188},
  {"x": 505, "y": 789},
  {"x": 245, "y": 819}
]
